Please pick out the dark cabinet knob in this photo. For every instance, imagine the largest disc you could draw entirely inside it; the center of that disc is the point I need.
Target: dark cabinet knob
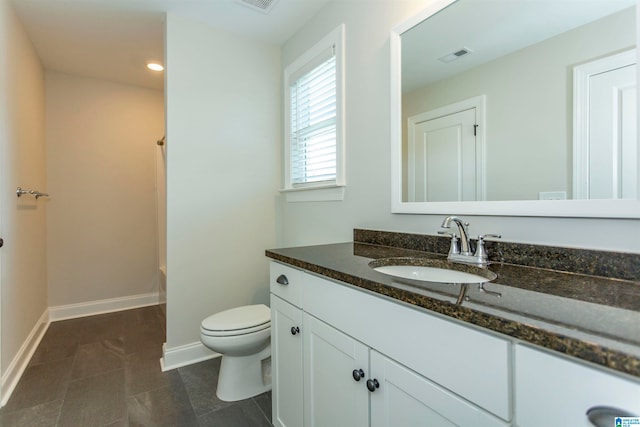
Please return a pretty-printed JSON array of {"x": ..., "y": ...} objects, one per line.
[
  {"x": 282, "y": 279},
  {"x": 358, "y": 374},
  {"x": 295, "y": 330},
  {"x": 372, "y": 385}
]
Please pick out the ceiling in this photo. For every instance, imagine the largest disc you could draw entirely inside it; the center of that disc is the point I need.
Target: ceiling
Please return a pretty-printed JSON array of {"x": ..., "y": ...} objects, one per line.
[
  {"x": 490, "y": 29},
  {"x": 114, "y": 39}
]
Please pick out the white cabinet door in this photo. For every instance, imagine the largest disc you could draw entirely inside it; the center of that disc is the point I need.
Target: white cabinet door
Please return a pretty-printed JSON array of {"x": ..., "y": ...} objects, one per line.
[
  {"x": 332, "y": 397},
  {"x": 286, "y": 363},
  {"x": 554, "y": 391},
  {"x": 472, "y": 364},
  {"x": 406, "y": 399}
]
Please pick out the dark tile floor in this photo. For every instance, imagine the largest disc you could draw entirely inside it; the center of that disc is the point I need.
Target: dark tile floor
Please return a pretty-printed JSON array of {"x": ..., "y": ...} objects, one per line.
[{"x": 105, "y": 371}]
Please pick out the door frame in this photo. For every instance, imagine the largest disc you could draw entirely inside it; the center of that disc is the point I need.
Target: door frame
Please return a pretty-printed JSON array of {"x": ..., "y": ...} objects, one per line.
[
  {"x": 581, "y": 79},
  {"x": 477, "y": 102}
]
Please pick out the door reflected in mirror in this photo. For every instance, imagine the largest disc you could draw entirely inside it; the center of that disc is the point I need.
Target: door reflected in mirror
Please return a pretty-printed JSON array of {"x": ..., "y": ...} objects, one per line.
[{"x": 506, "y": 105}]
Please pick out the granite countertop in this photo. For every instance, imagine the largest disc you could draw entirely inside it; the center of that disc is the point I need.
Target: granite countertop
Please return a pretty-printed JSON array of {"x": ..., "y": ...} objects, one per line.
[{"x": 593, "y": 318}]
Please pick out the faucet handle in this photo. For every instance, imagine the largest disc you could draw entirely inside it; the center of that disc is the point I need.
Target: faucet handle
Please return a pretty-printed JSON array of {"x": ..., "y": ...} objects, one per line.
[
  {"x": 483, "y": 236},
  {"x": 455, "y": 246},
  {"x": 481, "y": 253}
]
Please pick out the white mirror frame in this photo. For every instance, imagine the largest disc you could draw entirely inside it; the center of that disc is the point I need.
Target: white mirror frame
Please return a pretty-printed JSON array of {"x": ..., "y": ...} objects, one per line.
[{"x": 542, "y": 208}]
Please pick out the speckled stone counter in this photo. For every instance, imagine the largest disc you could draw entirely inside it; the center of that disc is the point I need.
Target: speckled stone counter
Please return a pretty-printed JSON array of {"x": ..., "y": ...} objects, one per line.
[{"x": 585, "y": 304}]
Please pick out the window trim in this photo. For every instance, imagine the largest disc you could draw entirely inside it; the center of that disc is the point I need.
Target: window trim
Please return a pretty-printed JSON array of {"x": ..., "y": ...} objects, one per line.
[{"x": 317, "y": 191}]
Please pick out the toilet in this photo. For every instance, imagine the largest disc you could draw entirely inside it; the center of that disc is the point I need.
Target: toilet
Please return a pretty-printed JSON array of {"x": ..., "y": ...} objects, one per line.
[{"x": 242, "y": 336}]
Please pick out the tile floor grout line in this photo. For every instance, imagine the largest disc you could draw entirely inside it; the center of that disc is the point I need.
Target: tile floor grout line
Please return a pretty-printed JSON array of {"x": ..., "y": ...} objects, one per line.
[
  {"x": 253, "y": 399},
  {"x": 71, "y": 380},
  {"x": 186, "y": 389},
  {"x": 261, "y": 411},
  {"x": 60, "y": 410},
  {"x": 64, "y": 396}
]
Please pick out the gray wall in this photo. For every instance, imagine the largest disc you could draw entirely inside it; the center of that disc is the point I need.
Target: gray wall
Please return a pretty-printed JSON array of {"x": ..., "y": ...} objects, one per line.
[
  {"x": 537, "y": 83},
  {"x": 367, "y": 197},
  {"x": 23, "y": 275},
  {"x": 223, "y": 144},
  {"x": 101, "y": 224}
]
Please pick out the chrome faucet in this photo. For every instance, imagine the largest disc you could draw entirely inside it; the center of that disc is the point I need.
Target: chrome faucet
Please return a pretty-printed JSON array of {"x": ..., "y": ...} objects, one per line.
[
  {"x": 465, "y": 248},
  {"x": 461, "y": 252}
]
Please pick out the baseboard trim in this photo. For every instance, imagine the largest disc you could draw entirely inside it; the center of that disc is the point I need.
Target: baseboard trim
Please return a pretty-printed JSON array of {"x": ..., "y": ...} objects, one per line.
[
  {"x": 91, "y": 308},
  {"x": 185, "y": 355},
  {"x": 21, "y": 360}
]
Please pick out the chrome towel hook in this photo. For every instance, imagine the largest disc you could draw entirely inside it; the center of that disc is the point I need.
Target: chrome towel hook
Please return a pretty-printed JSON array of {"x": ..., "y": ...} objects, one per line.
[
  {"x": 38, "y": 194},
  {"x": 20, "y": 191}
]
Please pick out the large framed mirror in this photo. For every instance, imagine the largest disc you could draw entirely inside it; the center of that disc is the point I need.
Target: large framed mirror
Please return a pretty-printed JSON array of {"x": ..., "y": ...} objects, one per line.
[{"x": 525, "y": 108}]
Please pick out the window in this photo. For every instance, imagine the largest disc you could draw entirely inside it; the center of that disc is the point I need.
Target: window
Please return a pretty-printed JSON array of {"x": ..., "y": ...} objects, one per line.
[
  {"x": 314, "y": 146},
  {"x": 313, "y": 125}
]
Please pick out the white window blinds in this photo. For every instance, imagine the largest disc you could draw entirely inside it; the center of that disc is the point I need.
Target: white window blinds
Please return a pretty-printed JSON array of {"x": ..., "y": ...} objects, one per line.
[{"x": 313, "y": 124}]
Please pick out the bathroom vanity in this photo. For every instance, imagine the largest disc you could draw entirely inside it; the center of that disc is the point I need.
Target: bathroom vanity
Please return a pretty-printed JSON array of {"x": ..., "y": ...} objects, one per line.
[
  {"x": 554, "y": 339},
  {"x": 536, "y": 346}
]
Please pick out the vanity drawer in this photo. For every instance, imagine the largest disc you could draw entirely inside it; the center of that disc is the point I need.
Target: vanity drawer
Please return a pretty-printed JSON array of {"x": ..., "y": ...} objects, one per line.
[
  {"x": 286, "y": 282},
  {"x": 552, "y": 389}
]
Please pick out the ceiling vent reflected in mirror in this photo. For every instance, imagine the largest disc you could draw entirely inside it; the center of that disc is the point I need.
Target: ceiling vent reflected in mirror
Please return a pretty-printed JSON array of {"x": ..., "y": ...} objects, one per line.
[
  {"x": 455, "y": 55},
  {"x": 264, "y": 6}
]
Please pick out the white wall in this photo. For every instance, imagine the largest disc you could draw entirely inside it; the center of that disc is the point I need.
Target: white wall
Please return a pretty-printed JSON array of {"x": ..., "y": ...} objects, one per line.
[
  {"x": 367, "y": 197},
  {"x": 223, "y": 163},
  {"x": 101, "y": 221},
  {"x": 536, "y": 84},
  {"x": 22, "y": 163}
]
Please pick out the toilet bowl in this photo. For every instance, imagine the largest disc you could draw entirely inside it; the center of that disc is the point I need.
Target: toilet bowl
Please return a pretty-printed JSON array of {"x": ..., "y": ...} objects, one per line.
[{"x": 242, "y": 336}]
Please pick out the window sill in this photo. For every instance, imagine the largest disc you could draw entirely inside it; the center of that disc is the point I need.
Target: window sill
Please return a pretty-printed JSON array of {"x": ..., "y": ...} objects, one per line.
[{"x": 327, "y": 193}]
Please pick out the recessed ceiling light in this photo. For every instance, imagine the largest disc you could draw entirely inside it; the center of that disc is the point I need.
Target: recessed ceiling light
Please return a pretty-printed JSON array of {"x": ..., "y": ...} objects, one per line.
[{"x": 155, "y": 67}]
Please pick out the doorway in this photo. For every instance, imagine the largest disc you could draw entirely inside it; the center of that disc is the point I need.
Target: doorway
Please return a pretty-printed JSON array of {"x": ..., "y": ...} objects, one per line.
[
  {"x": 445, "y": 153},
  {"x": 605, "y": 161}
]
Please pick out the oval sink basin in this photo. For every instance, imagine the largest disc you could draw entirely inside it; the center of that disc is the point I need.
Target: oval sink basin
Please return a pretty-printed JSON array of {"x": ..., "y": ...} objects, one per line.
[{"x": 432, "y": 270}]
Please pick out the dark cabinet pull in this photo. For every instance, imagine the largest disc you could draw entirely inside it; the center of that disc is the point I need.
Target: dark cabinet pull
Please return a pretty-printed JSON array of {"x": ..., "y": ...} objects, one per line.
[
  {"x": 372, "y": 385},
  {"x": 295, "y": 330},
  {"x": 282, "y": 279},
  {"x": 603, "y": 416},
  {"x": 358, "y": 374}
]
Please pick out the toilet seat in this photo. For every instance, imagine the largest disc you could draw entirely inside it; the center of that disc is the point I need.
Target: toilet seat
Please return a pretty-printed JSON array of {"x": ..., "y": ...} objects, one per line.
[{"x": 237, "y": 321}]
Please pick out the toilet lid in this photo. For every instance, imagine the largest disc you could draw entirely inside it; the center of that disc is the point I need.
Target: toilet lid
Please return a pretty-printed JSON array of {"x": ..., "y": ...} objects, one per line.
[
  {"x": 238, "y": 318},
  {"x": 237, "y": 332}
]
